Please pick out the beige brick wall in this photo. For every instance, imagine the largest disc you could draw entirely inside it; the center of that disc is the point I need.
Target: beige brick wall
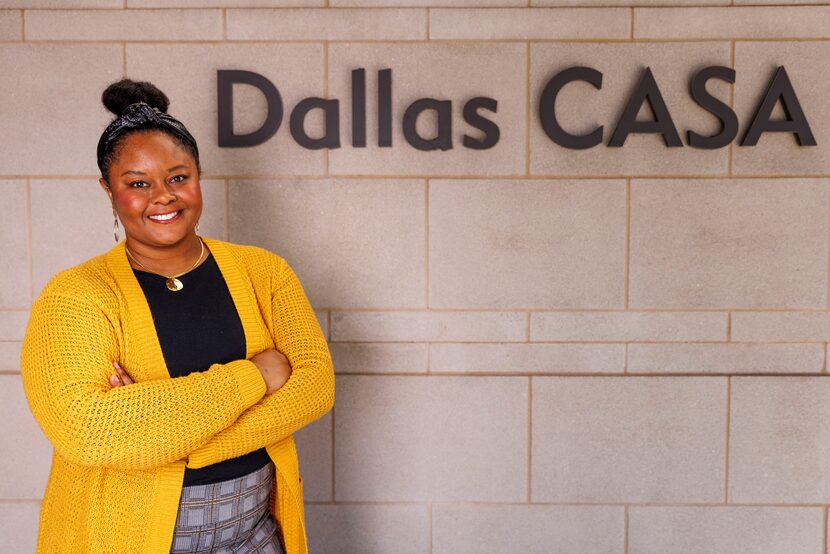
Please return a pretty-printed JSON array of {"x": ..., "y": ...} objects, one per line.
[{"x": 538, "y": 350}]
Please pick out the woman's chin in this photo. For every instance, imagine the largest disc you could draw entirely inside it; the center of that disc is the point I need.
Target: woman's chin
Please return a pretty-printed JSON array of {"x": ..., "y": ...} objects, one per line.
[{"x": 164, "y": 237}]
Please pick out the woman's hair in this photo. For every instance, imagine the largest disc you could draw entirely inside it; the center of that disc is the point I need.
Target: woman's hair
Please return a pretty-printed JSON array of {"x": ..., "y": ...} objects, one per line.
[{"x": 140, "y": 107}]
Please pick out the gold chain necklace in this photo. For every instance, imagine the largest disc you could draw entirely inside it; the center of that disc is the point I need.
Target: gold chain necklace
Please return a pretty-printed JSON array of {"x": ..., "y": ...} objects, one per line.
[{"x": 172, "y": 283}]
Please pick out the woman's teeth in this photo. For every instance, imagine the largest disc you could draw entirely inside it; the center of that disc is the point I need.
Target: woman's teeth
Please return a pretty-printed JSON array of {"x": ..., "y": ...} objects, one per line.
[{"x": 165, "y": 217}]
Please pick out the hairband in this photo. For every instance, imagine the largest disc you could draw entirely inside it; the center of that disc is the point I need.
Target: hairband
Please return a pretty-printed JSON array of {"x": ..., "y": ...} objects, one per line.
[{"x": 135, "y": 116}]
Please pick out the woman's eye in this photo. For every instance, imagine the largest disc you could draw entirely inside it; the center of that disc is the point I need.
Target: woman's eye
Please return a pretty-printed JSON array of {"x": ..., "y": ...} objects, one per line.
[
  {"x": 179, "y": 178},
  {"x": 135, "y": 183}
]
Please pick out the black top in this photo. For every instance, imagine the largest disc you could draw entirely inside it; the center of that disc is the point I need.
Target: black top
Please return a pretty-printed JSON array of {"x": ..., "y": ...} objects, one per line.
[{"x": 198, "y": 326}]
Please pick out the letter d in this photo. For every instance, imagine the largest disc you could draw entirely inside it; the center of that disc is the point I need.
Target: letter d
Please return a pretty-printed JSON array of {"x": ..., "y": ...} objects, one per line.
[{"x": 225, "y": 79}]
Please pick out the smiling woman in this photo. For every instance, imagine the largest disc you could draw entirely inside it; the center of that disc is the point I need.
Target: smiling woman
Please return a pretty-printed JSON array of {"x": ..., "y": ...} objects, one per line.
[
  {"x": 150, "y": 169},
  {"x": 154, "y": 190},
  {"x": 171, "y": 372}
]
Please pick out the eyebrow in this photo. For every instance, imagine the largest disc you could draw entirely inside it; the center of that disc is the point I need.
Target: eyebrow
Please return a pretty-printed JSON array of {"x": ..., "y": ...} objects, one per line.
[{"x": 180, "y": 166}]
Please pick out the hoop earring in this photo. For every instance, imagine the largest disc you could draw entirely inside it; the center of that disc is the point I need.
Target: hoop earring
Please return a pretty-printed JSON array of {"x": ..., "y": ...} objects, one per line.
[{"x": 115, "y": 224}]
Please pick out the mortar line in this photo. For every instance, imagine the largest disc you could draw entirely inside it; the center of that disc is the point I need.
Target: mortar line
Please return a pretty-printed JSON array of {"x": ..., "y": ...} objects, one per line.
[
  {"x": 457, "y": 177},
  {"x": 609, "y": 503},
  {"x": 529, "y": 439},
  {"x": 426, "y": 243},
  {"x": 333, "y": 471},
  {"x": 730, "y": 146},
  {"x": 448, "y": 42},
  {"x": 625, "y": 529},
  {"x": 726, "y": 448},
  {"x": 27, "y": 201},
  {"x": 666, "y": 309},
  {"x": 227, "y": 209},
  {"x": 728, "y": 326},
  {"x": 606, "y": 375},
  {"x": 627, "y": 263},
  {"x": 625, "y": 358},
  {"x": 527, "y": 109},
  {"x": 429, "y": 515},
  {"x": 326, "y": 168}
]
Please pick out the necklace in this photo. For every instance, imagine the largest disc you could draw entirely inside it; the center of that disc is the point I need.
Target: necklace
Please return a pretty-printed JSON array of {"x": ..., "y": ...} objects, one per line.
[{"x": 172, "y": 283}]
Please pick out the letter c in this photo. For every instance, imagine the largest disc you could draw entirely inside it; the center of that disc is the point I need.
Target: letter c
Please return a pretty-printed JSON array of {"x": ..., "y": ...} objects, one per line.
[{"x": 547, "y": 113}]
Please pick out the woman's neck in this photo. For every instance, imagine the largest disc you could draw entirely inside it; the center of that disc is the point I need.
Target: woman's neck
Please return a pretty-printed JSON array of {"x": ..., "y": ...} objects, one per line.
[{"x": 169, "y": 260}]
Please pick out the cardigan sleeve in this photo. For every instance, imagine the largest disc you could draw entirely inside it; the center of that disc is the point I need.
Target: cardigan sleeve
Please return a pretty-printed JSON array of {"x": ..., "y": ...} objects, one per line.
[
  {"x": 66, "y": 360},
  {"x": 307, "y": 395}
]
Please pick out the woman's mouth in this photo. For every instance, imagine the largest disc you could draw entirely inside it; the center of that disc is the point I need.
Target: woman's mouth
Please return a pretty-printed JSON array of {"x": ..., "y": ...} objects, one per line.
[{"x": 165, "y": 217}]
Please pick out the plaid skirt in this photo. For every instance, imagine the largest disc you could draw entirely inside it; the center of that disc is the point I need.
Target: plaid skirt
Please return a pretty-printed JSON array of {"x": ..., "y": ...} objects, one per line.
[{"x": 228, "y": 517}]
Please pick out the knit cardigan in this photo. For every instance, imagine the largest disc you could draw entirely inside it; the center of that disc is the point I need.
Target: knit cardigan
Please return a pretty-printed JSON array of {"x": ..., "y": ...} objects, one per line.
[{"x": 120, "y": 453}]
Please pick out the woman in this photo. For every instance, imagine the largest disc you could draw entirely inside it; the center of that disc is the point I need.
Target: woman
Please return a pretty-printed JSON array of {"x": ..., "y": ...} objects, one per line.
[{"x": 170, "y": 372}]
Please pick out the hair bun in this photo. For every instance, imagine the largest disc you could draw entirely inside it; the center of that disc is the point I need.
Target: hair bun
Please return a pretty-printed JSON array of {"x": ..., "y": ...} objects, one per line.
[{"x": 122, "y": 93}]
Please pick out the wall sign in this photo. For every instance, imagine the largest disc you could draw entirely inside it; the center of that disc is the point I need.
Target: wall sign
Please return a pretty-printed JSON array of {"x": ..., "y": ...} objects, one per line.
[{"x": 779, "y": 89}]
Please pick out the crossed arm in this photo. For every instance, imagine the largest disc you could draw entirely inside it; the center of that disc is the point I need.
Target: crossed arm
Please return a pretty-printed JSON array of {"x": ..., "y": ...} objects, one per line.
[
  {"x": 306, "y": 396},
  {"x": 66, "y": 359},
  {"x": 66, "y": 362}
]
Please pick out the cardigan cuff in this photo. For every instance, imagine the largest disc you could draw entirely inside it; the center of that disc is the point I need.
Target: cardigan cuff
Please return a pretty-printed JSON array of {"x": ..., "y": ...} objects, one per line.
[
  {"x": 252, "y": 385},
  {"x": 252, "y": 388}
]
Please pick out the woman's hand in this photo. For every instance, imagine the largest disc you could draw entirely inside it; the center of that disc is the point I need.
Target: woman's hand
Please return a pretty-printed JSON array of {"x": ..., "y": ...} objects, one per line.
[
  {"x": 120, "y": 377},
  {"x": 272, "y": 364},
  {"x": 274, "y": 367}
]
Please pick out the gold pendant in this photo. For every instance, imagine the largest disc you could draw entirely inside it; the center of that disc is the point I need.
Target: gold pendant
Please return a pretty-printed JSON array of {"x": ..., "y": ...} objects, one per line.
[{"x": 174, "y": 284}]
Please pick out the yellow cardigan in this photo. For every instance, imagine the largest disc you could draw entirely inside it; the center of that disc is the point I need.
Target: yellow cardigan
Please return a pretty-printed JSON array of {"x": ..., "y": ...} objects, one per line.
[{"x": 120, "y": 453}]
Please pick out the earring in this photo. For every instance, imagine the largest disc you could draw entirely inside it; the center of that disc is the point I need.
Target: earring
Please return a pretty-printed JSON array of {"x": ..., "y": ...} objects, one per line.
[
  {"x": 115, "y": 224},
  {"x": 197, "y": 226}
]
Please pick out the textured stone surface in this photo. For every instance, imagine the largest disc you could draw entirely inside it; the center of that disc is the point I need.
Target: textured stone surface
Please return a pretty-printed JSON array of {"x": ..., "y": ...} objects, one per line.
[
  {"x": 315, "y": 24},
  {"x": 623, "y": 439},
  {"x": 737, "y": 243},
  {"x": 777, "y": 444},
  {"x": 14, "y": 246},
  {"x": 523, "y": 23},
  {"x": 470, "y": 444},
  {"x": 155, "y": 25},
  {"x": 358, "y": 529},
  {"x": 46, "y": 133},
  {"x": 331, "y": 231},
  {"x": 26, "y": 459},
  {"x": 526, "y": 244},
  {"x": 475, "y": 528},
  {"x": 723, "y": 530}
]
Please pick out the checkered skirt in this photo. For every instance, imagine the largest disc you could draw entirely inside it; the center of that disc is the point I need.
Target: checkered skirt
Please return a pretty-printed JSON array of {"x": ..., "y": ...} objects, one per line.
[{"x": 229, "y": 517}]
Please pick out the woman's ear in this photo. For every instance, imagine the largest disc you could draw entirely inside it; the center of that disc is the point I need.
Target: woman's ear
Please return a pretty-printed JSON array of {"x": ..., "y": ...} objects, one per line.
[{"x": 106, "y": 187}]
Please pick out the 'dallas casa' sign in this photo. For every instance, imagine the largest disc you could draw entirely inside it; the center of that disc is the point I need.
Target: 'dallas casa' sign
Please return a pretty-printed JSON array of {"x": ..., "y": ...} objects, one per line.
[{"x": 478, "y": 114}]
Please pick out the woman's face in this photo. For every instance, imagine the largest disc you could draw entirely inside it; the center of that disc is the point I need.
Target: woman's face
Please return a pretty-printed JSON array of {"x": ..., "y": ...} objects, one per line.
[{"x": 153, "y": 176}]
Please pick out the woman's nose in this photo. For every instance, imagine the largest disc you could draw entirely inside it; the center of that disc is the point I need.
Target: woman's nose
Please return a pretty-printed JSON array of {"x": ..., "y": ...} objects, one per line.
[{"x": 164, "y": 195}]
